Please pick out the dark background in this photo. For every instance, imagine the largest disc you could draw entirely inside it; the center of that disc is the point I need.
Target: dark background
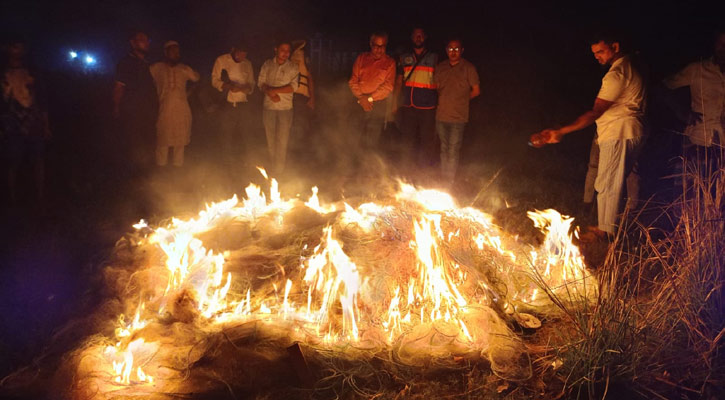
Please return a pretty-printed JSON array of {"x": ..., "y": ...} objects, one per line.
[{"x": 535, "y": 65}]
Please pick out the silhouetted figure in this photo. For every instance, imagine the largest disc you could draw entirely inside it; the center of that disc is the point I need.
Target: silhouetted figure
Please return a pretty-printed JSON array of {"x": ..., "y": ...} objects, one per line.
[
  {"x": 135, "y": 105},
  {"x": 23, "y": 122}
]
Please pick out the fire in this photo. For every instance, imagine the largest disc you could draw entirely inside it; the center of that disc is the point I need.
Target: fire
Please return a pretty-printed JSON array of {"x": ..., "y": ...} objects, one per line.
[{"x": 422, "y": 282}]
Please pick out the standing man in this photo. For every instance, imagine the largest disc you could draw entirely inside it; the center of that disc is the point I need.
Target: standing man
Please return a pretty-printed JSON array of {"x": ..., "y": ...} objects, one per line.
[
  {"x": 278, "y": 79},
  {"x": 23, "y": 121},
  {"x": 372, "y": 80},
  {"x": 458, "y": 83},
  {"x": 135, "y": 103},
  {"x": 232, "y": 74},
  {"x": 173, "y": 127},
  {"x": 618, "y": 112},
  {"x": 706, "y": 79},
  {"x": 418, "y": 101}
]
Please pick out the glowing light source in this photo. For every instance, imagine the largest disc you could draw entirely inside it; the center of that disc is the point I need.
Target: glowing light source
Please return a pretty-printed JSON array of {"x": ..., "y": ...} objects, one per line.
[
  {"x": 90, "y": 60},
  {"x": 73, "y": 54}
]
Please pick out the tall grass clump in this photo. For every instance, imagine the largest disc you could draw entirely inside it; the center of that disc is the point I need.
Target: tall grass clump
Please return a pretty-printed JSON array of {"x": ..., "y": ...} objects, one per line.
[{"x": 657, "y": 325}]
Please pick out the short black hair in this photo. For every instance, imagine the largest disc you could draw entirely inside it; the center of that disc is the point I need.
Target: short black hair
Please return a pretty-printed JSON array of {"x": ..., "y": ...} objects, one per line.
[
  {"x": 607, "y": 36},
  {"x": 456, "y": 38},
  {"x": 240, "y": 45},
  {"x": 281, "y": 41},
  {"x": 132, "y": 33}
]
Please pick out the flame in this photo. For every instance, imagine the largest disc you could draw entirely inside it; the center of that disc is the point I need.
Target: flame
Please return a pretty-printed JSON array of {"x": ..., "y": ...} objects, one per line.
[
  {"x": 326, "y": 271},
  {"x": 314, "y": 203},
  {"x": 433, "y": 290}
]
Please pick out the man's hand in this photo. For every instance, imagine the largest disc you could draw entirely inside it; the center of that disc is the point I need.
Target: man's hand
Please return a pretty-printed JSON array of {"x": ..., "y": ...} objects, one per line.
[
  {"x": 271, "y": 93},
  {"x": 547, "y": 136},
  {"x": 311, "y": 103},
  {"x": 365, "y": 104}
]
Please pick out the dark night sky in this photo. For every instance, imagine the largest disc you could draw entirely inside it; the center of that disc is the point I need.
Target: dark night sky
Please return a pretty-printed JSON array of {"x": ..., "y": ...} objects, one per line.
[{"x": 670, "y": 33}]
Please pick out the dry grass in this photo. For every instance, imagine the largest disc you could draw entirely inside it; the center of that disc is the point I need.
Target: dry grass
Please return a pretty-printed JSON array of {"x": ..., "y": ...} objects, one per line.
[{"x": 657, "y": 327}]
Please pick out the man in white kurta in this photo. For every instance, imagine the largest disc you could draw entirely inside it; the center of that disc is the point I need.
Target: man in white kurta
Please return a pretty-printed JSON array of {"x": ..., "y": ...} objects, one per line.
[
  {"x": 173, "y": 126},
  {"x": 618, "y": 112}
]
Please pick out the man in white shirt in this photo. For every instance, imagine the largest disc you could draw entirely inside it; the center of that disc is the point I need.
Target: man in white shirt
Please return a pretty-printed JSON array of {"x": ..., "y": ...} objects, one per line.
[
  {"x": 233, "y": 75},
  {"x": 618, "y": 112},
  {"x": 173, "y": 126},
  {"x": 278, "y": 79},
  {"x": 706, "y": 79}
]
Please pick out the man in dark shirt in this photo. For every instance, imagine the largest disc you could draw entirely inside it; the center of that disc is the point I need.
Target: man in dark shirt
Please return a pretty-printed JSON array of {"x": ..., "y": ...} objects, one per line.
[
  {"x": 416, "y": 91},
  {"x": 135, "y": 104}
]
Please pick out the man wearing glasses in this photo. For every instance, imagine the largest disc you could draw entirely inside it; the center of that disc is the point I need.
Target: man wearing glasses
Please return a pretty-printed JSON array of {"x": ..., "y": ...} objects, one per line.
[
  {"x": 457, "y": 82},
  {"x": 373, "y": 76}
]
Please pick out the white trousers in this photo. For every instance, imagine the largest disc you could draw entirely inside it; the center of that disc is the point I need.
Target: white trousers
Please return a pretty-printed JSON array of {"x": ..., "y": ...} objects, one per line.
[{"x": 616, "y": 160}]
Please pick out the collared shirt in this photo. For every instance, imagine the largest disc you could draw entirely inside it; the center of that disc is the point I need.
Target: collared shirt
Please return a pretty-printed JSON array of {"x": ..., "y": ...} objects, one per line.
[
  {"x": 419, "y": 88},
  {"x": 140, "y": 93},
  {"x": 239, "y": 72},
  {"x": 707, "y": 91},
  {"x": 623, "y": 86},
  {"x": 454, "y": 90},
  {"x": 372, "y": 77},
  {"x": 276, "y": 75}
]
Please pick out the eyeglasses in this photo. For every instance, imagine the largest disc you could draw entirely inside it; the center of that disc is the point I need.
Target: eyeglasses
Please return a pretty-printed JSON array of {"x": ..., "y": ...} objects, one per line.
[{"x": 456, "y": 49}]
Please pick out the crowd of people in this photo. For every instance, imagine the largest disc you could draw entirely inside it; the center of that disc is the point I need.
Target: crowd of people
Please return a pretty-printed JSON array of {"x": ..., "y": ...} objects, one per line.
[
  {"x": 428, "y": 99},
  {"x": 433, "y": 108}
]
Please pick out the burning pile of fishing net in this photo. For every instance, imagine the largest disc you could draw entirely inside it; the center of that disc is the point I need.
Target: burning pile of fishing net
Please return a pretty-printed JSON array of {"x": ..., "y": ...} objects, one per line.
[{"x": 215, "y": 301}]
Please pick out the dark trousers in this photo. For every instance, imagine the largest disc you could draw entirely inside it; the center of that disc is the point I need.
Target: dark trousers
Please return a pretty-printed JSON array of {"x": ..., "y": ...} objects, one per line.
[
  {"x": 138, "y": 142},
  {"x": 234, "y": 127},
  {"x": 420, "y": 141},
  {"x": 302, "y": 116},
  {"x": 369, "y": 125}
]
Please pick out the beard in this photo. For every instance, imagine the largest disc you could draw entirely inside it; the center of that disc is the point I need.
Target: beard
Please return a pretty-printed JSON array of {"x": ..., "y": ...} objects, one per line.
[{"x": 419, "y": 46}]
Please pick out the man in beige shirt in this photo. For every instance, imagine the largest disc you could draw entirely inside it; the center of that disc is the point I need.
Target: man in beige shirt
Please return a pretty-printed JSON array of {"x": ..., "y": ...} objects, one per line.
[{"x": 618, "y": 112}]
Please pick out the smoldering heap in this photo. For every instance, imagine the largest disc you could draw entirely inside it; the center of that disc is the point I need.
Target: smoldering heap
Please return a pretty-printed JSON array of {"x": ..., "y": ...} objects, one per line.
[{"x": 213, "y": 303}]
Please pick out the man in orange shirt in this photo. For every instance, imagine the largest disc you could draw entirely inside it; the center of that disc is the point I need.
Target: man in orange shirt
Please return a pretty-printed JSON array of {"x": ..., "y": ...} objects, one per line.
[{"x": 373, "y": 76}]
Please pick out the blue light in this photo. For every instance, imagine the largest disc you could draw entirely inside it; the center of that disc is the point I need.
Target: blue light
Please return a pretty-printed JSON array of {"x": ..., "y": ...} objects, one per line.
[
  {"x": 73, "y": 54},
  {"x": 90, "y": 60}
]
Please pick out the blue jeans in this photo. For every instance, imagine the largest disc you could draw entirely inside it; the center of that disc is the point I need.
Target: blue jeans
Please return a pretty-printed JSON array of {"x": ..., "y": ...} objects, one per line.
[{"x": 451, "y": 136}]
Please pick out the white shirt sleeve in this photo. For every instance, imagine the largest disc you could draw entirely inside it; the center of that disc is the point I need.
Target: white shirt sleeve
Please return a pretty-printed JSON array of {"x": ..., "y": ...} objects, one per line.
[
  {"x": 680, "y": 79},
  {"x": 216, "y": 75},
  {"x": 613, "y": 85}
]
